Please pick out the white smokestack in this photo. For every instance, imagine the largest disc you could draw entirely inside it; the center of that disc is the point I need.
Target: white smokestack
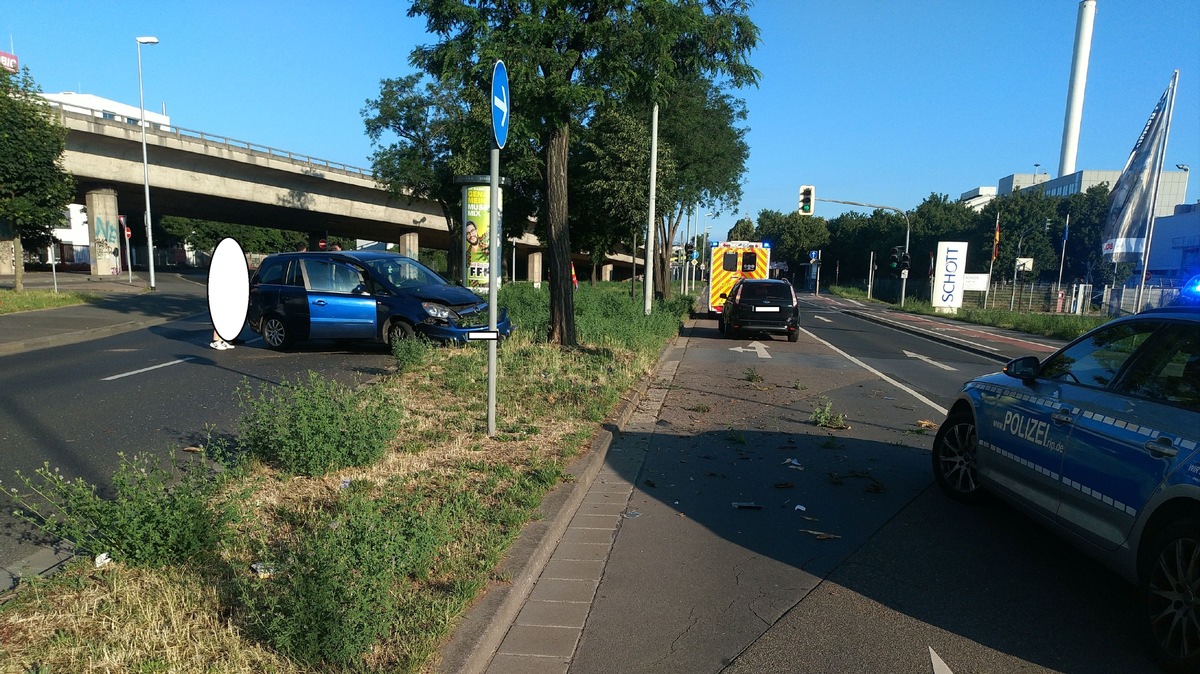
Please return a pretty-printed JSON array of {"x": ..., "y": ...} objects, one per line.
[{"x": 1079, "y": 66}]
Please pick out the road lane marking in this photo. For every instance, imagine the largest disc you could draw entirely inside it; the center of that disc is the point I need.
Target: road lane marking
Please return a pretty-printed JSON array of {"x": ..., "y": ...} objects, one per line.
[
  {"x": 941, "y": 410},
  {"x": 821, "y": 318},
  {"x": 757, "y": 347},
  {"x": 929, "y": 360},
  {"x": 146, "y": 369}
]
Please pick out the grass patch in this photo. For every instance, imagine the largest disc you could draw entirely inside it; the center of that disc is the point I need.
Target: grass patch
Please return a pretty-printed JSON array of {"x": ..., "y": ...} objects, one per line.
[
  {"x": 12, "y": 301},
  {"x": 1058, "y": 326},
  {"x": 356, "y": 524}
]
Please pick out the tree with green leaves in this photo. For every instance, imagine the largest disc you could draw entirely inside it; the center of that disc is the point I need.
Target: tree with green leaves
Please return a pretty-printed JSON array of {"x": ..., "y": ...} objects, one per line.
[
  {"x": 609, "y": 188},
  {"x": 564, "y": 57},
  {"x": 742, "y": 230},
  {"x": 791, "y": 235},
  {"x": 35, "y": 190},
  {"x": 428, "y": 129},
  {"x": 699, "y": 127}
]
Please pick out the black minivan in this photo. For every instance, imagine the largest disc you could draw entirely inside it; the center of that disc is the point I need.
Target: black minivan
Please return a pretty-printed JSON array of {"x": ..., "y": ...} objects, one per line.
[
  {"x": 360, "y": 295},
  {"x": 761, "y": 305}
]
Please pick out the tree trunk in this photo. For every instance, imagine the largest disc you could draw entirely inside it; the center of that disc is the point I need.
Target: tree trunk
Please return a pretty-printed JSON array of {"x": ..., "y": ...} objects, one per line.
[
  {"x": 562, "y": 298},
  {"x": 18, "y": 263}
]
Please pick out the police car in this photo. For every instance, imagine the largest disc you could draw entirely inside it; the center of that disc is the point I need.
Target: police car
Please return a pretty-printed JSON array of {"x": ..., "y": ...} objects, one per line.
[{"x": 1099, "y": 441}]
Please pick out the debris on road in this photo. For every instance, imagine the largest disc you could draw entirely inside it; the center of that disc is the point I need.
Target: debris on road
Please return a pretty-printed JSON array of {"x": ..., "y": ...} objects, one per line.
[
  {"x": 784, "y": 485},
  {"x": 746, "y": 505},
  {"x": 820, "y": 535},
  {"x": 793, "y": 464}
]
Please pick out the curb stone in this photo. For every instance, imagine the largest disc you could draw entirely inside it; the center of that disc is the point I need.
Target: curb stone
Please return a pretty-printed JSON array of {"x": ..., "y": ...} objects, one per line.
[{"x": 482, "y": 628}]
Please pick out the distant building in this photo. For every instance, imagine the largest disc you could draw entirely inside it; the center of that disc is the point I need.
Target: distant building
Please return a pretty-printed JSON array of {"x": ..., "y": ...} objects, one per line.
[
  {"x": 977, "y": 198},
  {"x": 1172, "y": 187},
  {"x": 1175, "y": 250},
  {"x": 90, "y": 104}
]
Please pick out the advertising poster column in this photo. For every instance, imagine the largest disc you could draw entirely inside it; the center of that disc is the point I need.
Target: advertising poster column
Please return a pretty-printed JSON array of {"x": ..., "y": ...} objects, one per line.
[
  {"x": 476, "y": 231},
  {"x": 949, "y": 276}
]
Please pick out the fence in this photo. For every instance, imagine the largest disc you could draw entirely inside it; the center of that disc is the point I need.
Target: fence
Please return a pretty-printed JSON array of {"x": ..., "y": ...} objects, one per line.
[{"x": 1078, "y": 298}]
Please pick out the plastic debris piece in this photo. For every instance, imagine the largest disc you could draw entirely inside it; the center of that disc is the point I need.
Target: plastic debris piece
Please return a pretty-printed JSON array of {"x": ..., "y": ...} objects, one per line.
[
  {"x": 784, "y": 485},
  {"x": 800, "y": 507},
  {"x": 650, "y": 483},
  {"x": 262, "y": 570},
  {"x": 925, "y": 423},
  {"x": 102, "y": 560},
  {"x": 193, "y": 448},
  {"x": 820, "y": 535},
  {"x": 631, "y": 514},
  {"x": 793, "y": 464},
  {"x": 746, "y": 505}
]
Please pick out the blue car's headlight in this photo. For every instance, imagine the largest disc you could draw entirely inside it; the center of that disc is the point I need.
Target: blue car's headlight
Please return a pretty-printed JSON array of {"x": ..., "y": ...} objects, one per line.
[{"x": 436, "y": 310}]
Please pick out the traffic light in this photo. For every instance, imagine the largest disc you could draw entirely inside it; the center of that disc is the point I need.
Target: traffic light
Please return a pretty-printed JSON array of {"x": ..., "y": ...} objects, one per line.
[
  {"x": 905, "y": 262},
  {"x": 894, "y": 262},
  {"x": 808, "y": 199}
]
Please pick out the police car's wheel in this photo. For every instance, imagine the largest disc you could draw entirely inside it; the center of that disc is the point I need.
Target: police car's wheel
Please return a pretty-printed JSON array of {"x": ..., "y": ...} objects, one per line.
[
  {"x": 1170, "y": 596},
  {"x": 954, "y": 451}
]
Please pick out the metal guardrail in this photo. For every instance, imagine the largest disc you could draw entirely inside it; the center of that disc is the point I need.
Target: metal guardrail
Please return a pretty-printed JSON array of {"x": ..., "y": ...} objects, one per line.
[{"x": 204, "y": 136}]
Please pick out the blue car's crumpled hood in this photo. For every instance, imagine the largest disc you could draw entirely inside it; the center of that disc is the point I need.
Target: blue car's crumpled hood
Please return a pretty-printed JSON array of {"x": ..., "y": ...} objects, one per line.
[{"x": 451, "y": 296}]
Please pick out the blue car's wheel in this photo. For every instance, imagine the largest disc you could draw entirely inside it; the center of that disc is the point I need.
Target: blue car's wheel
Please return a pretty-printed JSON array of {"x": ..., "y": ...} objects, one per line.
[
  {"x": 275, "y": 333},
  {"x": 398, "y": 331}
]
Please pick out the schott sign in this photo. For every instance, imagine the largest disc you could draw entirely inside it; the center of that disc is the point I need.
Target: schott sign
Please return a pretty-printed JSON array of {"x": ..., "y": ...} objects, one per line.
[{"x": 949, "y": 276}]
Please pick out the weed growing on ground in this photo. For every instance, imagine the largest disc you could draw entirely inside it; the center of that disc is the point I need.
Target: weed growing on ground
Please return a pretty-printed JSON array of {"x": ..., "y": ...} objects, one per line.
[
  {"x": 315, "y": 426},
  {"x": 751, "y": 375},
  {"x": 824, "y": 417},
  {"x": 157, "y": 515}
]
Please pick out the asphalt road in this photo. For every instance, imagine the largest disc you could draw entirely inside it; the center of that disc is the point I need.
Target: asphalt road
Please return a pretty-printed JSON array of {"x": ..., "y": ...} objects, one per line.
[
  {"x": 155, "y": 390},
  {"x": 851, "y": 561}
]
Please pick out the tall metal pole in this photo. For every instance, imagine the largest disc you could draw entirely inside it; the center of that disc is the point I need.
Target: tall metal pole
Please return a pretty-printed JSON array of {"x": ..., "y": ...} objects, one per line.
[
  {"x": 145, "y": 162},
  {"x": 648, "y": 299},
  {"x": 1063, "y": 259},
  {"x": 493, "y": 282}
]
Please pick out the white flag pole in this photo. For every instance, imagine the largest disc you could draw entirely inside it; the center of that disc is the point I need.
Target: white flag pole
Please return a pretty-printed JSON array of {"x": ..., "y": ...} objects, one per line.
[{"x": 1154, "y": 198}]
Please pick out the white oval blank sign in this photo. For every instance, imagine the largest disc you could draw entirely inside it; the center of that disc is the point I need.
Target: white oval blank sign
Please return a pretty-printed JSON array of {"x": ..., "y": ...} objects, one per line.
[{"x": 228, "y": 289}]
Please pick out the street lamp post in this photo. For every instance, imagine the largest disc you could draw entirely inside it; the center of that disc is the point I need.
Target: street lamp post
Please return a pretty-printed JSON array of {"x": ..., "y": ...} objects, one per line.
[
  {"x": 907, "y": 235},
  {"x": 145, "y": 163}
]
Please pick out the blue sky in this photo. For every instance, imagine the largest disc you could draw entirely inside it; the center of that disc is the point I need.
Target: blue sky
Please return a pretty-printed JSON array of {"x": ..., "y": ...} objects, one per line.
[{"x": 875, "y": 101}]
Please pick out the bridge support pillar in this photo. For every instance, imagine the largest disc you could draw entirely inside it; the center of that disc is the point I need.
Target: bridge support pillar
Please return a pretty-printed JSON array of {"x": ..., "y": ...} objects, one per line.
[
  {"x": 535, "y": 269},
  {"x": 606, "y": 272},
  {"x": 104, "y": 232},
  {"x": 409, "y": 244}
]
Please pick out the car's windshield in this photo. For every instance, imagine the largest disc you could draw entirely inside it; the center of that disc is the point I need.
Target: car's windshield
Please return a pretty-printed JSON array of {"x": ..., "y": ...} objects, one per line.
[{"x": 406, "y": 273}]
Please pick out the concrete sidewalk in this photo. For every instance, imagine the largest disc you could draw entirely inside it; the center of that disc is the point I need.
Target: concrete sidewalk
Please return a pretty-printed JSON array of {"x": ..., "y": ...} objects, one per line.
[{"x": 123, "y": 307}]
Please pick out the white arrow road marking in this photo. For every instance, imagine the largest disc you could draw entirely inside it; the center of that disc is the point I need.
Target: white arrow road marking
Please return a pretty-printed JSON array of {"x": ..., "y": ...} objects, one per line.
[
  {"x": 929, "y": 360},
  {"x": 939, "y": 667},
  {"x": 502, "y": 104},
  {"x": 758, "y": 347},
  {"x": 821, "y": 318},
  {"x": 145, "y": 369}
]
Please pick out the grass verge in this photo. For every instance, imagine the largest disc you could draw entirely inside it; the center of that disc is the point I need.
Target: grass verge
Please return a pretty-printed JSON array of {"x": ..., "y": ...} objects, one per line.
[
  {"x": 12, "y": 301},
  {"x": 358, "y": 565},
  {"x": 1058, "y": 326}
]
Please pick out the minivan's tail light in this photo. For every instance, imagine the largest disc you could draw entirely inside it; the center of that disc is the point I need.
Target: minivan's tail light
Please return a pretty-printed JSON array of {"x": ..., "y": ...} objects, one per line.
[{"x": 794, "y": 300}]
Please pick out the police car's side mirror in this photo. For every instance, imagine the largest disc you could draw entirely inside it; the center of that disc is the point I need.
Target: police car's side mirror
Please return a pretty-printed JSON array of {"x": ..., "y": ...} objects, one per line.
[{"x": 1024, "y": 368}]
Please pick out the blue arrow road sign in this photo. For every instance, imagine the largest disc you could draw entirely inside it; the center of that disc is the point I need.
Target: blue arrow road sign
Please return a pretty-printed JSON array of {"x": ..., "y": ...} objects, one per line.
[{"x": 500, "y": 104}]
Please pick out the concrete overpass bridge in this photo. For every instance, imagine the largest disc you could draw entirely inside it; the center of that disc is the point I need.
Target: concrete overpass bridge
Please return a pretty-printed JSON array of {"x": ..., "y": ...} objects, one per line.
[{"x": 194, "y": 174}]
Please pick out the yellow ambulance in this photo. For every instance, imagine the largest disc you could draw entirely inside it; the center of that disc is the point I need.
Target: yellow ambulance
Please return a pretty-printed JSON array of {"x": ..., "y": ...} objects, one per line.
[{"x": 730, "y": 262}]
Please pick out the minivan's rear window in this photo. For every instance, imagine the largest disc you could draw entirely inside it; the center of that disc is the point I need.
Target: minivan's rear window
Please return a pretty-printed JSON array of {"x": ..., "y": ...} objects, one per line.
[{"x": 772, "y": 291}]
